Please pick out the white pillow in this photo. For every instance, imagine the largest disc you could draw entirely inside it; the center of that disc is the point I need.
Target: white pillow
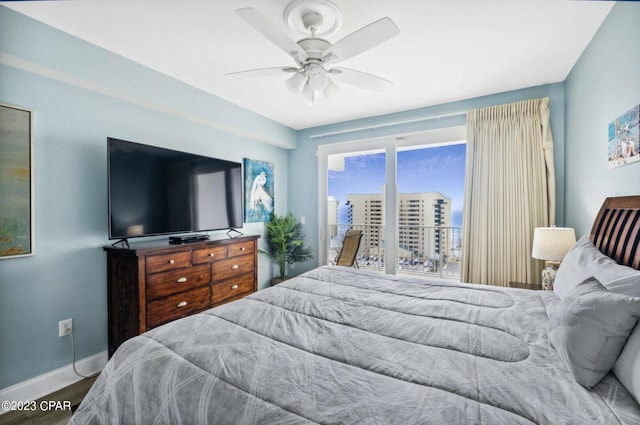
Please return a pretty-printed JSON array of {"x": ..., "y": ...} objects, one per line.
[
  {"x": 584, "y": 260},
  {"x": 627, "y": 367},
  {"x": 590, "y": 328}
]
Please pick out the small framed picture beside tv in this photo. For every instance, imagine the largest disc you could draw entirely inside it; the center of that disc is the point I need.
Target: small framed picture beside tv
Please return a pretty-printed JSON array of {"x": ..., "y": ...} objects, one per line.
[
  {"x": 258, "y": 190},
  {"x": 157, "y": 191}
]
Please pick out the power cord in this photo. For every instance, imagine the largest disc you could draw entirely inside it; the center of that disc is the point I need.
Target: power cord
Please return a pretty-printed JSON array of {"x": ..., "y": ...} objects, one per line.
[{"x": 73, "y": 350}]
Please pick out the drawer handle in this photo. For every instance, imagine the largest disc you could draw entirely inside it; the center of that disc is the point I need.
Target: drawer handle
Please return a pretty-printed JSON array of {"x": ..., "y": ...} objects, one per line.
[
  {"x": 171, "y": 262},
  {"x": 211, "y": 254},
  {"x": 234, "y": 267},
  {"x": 242, "y": 249},
  {"x": 182, "y": 304},
  {"x": 182, "y": 280},
  {"x": 234, "y": 287}
]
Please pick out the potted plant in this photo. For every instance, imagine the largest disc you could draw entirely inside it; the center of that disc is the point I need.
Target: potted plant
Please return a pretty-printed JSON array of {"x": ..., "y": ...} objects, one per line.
[{"x": 285, "y": 243}]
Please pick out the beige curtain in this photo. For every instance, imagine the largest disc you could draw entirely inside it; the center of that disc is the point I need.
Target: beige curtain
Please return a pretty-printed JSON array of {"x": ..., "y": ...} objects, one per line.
[{"x": 509, "y": 191}]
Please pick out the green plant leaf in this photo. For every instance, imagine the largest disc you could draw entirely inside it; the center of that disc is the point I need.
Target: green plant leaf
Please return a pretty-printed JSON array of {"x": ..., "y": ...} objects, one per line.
[{"x": 285, "y": 242}]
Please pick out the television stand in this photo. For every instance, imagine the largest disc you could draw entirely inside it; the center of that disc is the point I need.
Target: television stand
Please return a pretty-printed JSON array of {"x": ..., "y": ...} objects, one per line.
[
  {"x": 178, "y": 240},
  {"x": 234, "y": 231},
  {"x": 123, "y": 241}
]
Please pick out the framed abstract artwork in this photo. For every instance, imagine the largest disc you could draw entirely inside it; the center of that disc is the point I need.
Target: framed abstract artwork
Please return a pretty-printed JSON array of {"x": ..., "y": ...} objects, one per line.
[
  {"x": 624, "y": 139},
  {"x": 258, "y": 190},
  {"x": 16, "y": 183}
]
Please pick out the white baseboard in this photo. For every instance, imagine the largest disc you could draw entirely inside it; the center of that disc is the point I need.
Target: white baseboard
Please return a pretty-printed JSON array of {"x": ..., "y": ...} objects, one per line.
[{"x": 55, "y": 380}]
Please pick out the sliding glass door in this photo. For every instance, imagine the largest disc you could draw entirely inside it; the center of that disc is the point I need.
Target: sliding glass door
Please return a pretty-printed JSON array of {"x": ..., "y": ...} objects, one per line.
[
  {"x": 405, "y": 194},
  {"x": 355, "y": 167}
]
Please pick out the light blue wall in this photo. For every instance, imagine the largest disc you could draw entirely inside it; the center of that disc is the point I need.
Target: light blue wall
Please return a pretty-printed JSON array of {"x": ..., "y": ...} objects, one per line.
[
  {"x": 67, "y": 276},
  {"x": 604, "y": 84},
  {"x": 303, "y": 169}
]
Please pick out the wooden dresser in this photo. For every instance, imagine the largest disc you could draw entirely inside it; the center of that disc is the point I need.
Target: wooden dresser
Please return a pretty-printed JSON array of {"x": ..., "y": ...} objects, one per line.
[{"x": 152, "y": 283}]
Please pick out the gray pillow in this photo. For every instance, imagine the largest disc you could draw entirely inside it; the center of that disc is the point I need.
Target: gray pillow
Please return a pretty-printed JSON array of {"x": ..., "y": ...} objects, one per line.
[
  {"x": 590, "y": 328},
  {"x": 584, "y": 260}
]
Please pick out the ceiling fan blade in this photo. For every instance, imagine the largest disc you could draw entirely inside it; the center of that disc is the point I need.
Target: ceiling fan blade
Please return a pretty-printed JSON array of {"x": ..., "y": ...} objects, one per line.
[
  {"x": 262, "y": 72},
  {"x": 360, "y": 79},
  {"x": 272, "y": 32},
  {"x": 361, "y": 40}
]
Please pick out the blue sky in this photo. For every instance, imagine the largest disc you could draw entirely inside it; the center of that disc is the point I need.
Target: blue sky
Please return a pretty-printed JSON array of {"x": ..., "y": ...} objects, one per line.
[{"x": 436, "y": 169}]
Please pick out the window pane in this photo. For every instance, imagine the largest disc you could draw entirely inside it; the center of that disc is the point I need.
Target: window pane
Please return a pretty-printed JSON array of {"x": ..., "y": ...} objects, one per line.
[
  {"x": 431, "y": 193},
  {"x": 356, "y": 201}
]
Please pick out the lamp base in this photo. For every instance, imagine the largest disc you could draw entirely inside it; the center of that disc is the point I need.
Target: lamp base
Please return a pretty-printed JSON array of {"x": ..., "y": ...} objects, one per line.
[{"x": 549, "y": 274}]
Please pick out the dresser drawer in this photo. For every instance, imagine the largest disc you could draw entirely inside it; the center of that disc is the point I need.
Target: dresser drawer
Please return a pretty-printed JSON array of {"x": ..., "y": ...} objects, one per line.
[
  {"x": 207, "y": 255},
  {"x": 233, "y": 288},
  {"x": 160, "y": 263},
  {"x": 232, "y": 267},
  {"x": 162, "y": 284},
  {"x": 170, "y": 308},
  {"x": 242, "y": 248}
]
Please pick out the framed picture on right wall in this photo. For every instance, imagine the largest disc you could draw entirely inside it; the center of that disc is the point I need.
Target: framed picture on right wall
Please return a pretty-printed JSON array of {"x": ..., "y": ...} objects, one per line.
[{"x": 624, "y": 140}]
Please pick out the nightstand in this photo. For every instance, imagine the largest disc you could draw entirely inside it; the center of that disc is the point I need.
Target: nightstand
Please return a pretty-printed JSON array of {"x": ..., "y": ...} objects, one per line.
[{"x": 523, "y": 285}]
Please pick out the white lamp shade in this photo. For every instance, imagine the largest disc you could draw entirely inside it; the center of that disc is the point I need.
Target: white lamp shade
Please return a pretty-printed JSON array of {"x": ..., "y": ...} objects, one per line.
[
  {"x": 317, "y": 77},
  {"x": 552, "y": 243},
  {"x": 296, "y": 83},
  {"x": 331, "y": 89}
]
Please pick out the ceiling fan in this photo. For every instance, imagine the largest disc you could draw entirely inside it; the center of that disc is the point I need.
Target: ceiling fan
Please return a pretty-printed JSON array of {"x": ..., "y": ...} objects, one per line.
[{"x": 312, "y": 76}]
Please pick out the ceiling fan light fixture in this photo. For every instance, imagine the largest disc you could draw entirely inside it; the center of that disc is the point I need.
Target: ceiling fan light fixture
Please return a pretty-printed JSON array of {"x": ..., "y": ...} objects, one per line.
[
  {"x": 318, "y": 79},
  {"x": 331, "y": 89},
  {"x": 296, "y": 83},
  {"x": 318, "y": 82}
]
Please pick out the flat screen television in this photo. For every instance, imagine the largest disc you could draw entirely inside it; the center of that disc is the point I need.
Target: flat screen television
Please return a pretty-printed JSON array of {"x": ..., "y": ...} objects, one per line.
[{"x": 158, "y": 191}]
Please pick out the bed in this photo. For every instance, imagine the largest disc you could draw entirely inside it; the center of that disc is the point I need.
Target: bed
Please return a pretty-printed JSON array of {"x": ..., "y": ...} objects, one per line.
[{"x": 338, "y": 345}]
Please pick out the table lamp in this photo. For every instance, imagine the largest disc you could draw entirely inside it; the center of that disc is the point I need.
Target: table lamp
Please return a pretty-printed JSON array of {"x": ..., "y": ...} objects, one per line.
[{"x": 551, "y": 245}]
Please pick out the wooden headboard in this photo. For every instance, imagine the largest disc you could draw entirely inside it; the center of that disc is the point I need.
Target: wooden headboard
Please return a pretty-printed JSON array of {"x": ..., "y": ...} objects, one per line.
[{"x": 616, "y": 231}]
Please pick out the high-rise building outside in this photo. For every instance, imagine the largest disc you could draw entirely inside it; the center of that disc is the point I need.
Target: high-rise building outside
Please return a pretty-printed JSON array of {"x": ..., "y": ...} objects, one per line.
[{"x": 418, "y": 213}]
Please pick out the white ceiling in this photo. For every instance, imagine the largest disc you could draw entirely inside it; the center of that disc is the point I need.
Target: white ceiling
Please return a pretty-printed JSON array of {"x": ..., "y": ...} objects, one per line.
[{"x": 447, "y": 50}]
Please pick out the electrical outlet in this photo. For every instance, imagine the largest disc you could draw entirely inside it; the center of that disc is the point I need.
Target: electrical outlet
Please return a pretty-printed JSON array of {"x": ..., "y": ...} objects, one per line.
[{"x": 65, "y": 327}]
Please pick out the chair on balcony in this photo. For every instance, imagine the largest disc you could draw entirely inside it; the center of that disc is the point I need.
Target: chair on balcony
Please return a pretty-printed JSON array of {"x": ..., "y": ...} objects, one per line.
[{"x": 349, "y": 250}]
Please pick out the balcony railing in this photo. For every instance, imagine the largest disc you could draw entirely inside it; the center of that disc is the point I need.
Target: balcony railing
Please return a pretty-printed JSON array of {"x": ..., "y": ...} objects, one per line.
[{"x": 424, "y": 250}]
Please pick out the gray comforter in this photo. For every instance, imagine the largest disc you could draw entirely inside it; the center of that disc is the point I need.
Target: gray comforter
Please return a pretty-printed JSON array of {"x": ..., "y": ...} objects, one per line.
[{"x": 343, "y": 346}]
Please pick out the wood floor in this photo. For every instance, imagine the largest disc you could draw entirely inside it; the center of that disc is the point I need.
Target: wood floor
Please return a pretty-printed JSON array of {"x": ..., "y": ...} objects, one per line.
[{"x": 57, "y": 415}]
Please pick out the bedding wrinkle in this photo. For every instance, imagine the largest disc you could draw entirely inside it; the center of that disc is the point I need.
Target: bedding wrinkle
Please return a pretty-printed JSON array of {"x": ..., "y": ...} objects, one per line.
[
  {"x": 613, "y": 394},
  {"x": 386, "y": 370},
  {"x": 504, "y": 346},
  {"x": 373, "y": 366},
  {"x": 168, "y": 358},
  {"x": 487, "y": 296},
  {"x": 437, "y": 308}
]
